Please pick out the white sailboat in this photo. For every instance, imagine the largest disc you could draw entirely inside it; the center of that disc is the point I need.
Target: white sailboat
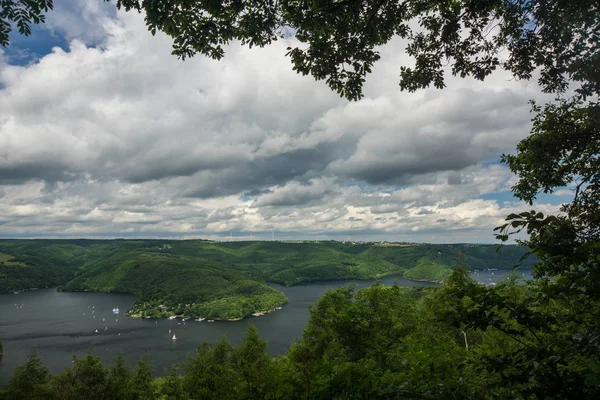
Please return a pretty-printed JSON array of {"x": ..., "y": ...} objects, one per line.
[
  {"x": 116, "y": 310},
  {"x": 174, "y": 337},
  {"x": 96, "y": 331}
]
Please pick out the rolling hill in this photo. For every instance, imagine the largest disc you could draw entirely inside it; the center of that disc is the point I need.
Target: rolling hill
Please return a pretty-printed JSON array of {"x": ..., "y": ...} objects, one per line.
[{"x": 225, "y": 280}]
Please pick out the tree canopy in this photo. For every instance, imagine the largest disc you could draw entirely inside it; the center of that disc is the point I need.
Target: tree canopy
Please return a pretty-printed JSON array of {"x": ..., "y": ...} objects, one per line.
[{"x": 338, "y": 41}]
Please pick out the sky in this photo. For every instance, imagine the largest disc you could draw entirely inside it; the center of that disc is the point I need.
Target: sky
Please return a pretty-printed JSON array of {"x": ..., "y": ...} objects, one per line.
[{"x": 104, "y": 134}]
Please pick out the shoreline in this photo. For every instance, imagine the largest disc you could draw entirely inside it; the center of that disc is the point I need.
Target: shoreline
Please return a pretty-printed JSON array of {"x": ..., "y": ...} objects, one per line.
[{"x": 186, "y": 317}]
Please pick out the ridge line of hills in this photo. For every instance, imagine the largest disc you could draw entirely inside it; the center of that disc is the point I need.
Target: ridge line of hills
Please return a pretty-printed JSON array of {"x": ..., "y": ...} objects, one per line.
[{"x": 225, "y": 280}]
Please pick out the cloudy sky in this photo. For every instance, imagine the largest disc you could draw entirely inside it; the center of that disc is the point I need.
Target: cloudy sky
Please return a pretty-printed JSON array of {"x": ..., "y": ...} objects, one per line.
[{"x": 103, "y": 133}]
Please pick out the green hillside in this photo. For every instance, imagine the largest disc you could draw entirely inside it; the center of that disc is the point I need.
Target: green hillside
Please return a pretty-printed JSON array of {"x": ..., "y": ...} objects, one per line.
[
  {"x": 428, "y": 271},
  {"x": 223, "y": 280}
]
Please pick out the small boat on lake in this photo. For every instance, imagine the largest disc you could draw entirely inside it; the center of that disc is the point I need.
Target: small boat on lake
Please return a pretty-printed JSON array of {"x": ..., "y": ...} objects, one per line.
[
  {"x": 172, "y": 317},
  {"x": 116, "y": 310},
  {"x": 96, "y": 331},
  {"x": 211, "y": 320},
  {"x": 199, "y": 319},
  {"x": 174, "y": 337}
]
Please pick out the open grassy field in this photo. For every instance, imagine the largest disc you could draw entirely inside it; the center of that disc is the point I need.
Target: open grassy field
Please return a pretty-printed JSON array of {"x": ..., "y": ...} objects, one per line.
[{"x": 6, "y": 259}]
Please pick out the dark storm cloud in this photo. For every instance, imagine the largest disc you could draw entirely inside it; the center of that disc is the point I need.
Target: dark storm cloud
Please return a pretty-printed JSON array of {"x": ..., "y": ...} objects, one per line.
[
  {"x": 442, "y": 134},
  {"x": 50, "y": 171},
  {"x": 384, "y": 208},
  {"x": 296, "y": 198},
  {"x": 299, "y": 194},
  {"x": 261, "y": 173},
  {"x": 400, "y": 172},
  {"x": 178, "y": 161},
  {"x": 454, "y": 178},
  {"x": 424, "y": 212}
]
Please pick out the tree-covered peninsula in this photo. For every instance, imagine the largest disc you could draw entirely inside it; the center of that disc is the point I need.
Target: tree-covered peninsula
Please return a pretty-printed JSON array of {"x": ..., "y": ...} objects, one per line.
[{"x": 224, "y": 280}]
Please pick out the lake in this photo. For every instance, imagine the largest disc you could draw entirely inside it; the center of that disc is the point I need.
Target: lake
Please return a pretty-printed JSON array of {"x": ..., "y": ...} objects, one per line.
[{"x": 62, "y": 324}]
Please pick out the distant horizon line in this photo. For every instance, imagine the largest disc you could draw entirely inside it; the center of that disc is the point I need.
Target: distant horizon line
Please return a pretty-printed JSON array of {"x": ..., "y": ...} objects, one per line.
[{"x": 228, "y": 240}]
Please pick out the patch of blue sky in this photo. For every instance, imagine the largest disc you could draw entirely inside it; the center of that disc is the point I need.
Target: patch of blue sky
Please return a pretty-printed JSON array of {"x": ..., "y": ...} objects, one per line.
[
  {"x": 491, "y": 161},
  {"x": 556, "y": 198},
  {"x": 500, "y": 197},
  {"x": 25, "y": 50}
]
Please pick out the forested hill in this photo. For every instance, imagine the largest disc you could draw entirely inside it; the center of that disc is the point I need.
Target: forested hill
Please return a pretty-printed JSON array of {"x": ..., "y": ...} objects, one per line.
[{"x": 224, "y": 279}]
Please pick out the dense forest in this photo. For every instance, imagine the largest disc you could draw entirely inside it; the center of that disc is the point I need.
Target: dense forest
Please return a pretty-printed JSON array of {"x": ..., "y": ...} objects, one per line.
[{"x": 225, "y": 280}]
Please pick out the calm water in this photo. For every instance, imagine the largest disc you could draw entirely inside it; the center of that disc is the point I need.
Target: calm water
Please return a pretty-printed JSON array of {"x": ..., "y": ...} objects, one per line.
[
  {"x": 495, "y": 276},
  {"x": 59, "y": 325}
]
